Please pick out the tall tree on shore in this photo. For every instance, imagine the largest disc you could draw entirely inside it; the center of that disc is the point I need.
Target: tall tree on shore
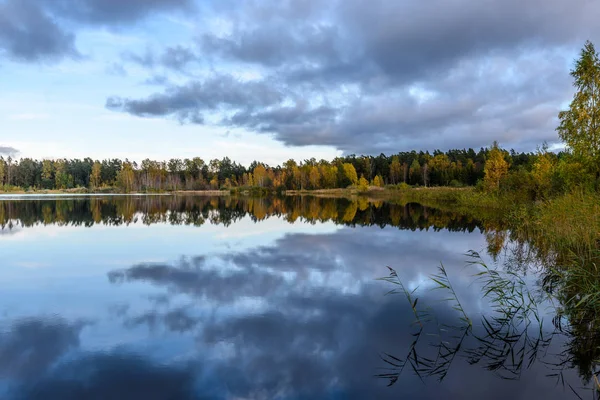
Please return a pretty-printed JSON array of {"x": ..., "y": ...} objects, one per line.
[
  {"x": 2, "y": 168},
  {"x": 395, "y": 170},
  {"x": 350, "y": 173},
  {"x": 95, "y": 176},
  {"x": 495, "y": 168},
  {"x": 415, "y": 172},
  {"x": 580, "y": 124},
  {"x": 126, "y": 177}
]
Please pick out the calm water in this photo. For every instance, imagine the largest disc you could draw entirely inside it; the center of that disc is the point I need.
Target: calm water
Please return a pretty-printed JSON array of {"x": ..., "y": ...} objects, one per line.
[{"x": 194, "y": 298}]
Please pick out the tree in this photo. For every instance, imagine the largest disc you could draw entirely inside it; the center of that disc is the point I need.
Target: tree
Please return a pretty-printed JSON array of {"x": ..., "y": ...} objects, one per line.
[
  {"x": 350, "y": 173},
  {"x": 314, "y": 177},
  {"x": 2, "y": 168},
  {"x": 260, "y": 175},
  {"x": 440, "y": 166},
  {"x": 378, "y": 181},
  {"x": 580, "y": 124},
  {"x": 363, "y": 184},
  {"x": 62, "y": 179},
  {"x": 495, "y": 168},
  {"x": 415, "y": 172},
  {"x": 95, "y": 176},
  {"x": 395, "y": 170},
  {"x": 542, "y": 171},
  {"x": 47, "y": 174},
  {"x": 126, "y": 177}
]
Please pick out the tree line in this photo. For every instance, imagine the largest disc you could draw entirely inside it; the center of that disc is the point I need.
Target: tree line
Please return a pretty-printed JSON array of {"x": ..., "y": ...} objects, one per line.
[
  {"x": 451, "y": 168},
  {"x": 492, "y": 167},
  {"x": 532, "y": 175}
]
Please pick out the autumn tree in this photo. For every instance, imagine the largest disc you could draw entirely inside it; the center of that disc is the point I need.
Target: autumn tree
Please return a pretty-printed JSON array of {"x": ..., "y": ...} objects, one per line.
[
  {"x": 96, "y": 175},
  {"x": 328, "y": 175},
  {"x": 350, "y": 173},
  {"x": 395, "y": 170},
  {"x": 260, "y": 175},
  {"x": 542, "y": 171},
  {"x": 378, "y": 181},
  {"x": 495, "y": 168},
  {"x": 47, "y": 174},
  {"x": 314, "y": 177},
  {"x": 580, "y": 124},
  {"x": 126, "y": 177},
  {"x": 440, "y": 166}
]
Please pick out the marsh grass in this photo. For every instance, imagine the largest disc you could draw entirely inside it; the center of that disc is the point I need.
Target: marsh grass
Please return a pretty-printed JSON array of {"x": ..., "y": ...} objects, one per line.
[
  {"x": 507, "y": 341},
  {"x": 571, "y": 221}
]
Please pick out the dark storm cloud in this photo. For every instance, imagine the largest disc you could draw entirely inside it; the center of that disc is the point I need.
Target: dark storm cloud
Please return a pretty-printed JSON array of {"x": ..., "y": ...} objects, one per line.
[
  {"x": 8, "y": 151},
  {"x": 35, "y": 30},
  {"x": 367, "y": 77}
]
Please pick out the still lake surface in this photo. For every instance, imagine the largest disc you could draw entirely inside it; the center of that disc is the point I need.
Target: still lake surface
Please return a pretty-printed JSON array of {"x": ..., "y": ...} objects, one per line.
[{"x": 164, "y": 297}]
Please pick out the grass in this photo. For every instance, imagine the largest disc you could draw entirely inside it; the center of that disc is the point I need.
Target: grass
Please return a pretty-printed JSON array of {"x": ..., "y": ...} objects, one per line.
[
  {"x": 506, "y": 340},
  {"x": 571, "y": 221}
]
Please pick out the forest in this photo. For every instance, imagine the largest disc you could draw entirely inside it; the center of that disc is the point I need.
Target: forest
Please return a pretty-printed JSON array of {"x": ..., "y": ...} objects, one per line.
[
  {"x": 452, "y": 168},
  {"x": 529, "y": 176}
]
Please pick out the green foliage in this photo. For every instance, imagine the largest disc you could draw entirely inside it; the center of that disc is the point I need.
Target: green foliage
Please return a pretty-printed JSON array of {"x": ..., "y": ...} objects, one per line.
[
  {"x": 415, "y": 173},
  {"x": 519, "y": 186},
  {"x": 580, "y": 124}
]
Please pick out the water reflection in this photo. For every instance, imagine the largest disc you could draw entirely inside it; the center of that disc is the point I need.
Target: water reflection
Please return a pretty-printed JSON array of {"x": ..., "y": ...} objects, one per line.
[
  {"x": 197, "y": 211},
  {"x": 289, "y": 316}
]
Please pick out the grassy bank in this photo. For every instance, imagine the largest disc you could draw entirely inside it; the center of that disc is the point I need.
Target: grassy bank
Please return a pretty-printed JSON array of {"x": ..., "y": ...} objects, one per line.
[
  {"x": 570, "y": 222},
  {"x": 438, "y": 197}
]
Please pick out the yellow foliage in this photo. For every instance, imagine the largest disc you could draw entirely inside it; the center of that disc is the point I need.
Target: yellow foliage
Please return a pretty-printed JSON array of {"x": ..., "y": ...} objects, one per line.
[{"x": 495, "y": 168}]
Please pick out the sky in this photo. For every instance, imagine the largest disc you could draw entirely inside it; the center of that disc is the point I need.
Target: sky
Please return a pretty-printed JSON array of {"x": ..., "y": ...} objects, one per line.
[{"x": 271, "y": 80}]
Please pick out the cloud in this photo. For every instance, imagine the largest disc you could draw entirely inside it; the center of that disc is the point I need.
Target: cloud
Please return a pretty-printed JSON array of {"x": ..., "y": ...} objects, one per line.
[
  {"x": 35, "y": 30},
  {"x": 112, "y": 12},
  {"x": 110, "y": 376},
  {"x": 28, "y": 33},
  {"x": 324, "y": 319},
  {"x": 386, "y": 76},
  {"x": 175, "y": 58},
  {"x": 8, "y": 151},
  {"x": 32, "y": 345},
  {"x": 188, "y": 103}
]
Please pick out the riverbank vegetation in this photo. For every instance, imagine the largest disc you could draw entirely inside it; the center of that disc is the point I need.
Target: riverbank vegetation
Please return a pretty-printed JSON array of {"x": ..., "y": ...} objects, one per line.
[{"x": 542, "y": 191}]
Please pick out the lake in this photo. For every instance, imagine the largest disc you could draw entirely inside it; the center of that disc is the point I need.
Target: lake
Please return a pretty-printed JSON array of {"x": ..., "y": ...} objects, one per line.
[{"x": 165, "y": 297}]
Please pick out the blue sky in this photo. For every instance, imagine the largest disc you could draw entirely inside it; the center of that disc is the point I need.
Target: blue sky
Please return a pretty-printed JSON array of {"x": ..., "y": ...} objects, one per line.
[{"x": 273, "y": 80}]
